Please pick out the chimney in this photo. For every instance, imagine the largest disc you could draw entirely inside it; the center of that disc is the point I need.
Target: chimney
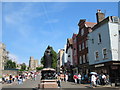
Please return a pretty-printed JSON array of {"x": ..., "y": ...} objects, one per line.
[{"x": 100, "y": 16}]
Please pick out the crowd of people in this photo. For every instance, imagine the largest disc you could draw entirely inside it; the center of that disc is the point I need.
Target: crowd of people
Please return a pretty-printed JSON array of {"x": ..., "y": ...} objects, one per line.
[
  {"x": 100, "y": 79},
  {"x": 94, "y": 79},
  {"x": 20, "y": 78}
]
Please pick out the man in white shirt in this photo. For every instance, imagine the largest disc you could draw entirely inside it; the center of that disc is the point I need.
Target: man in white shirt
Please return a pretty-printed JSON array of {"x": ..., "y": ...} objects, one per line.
[
  {"x": 103, "y": 79},
  {"x": 93, "y": 80},
  {"x": 79, "y": 78}
]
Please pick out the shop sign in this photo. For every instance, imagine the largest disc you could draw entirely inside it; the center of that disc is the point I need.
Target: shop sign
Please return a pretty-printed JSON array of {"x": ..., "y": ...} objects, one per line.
[
  {"x": 116, "y": 63},
  {"x": 99, "y": 65},
  {"x": 114, "y": 67}
]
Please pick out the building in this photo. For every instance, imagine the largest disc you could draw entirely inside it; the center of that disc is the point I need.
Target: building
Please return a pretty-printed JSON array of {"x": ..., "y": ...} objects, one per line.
[
  {"x": 33, "y": 63},
  {"x": 104, "y": 46},
  {"x": 69, "y": 51},
  {"x": 60, "y": 59},
  {"x": 82, "y": 45},
  {"x": 69, "y": 64},
  {"x": 74, "y": 53},
  {"x": 65, "y": 56},
  {"x": 3, "y": 56}
]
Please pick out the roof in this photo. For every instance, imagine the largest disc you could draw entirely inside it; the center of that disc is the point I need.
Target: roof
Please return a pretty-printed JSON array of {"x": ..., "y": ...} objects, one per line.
[{"x": 90, "y": 24}]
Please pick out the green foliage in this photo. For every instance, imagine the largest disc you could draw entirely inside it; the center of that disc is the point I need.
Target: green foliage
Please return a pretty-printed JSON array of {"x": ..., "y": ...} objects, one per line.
[
  {"x": 39, "y": 68},
  {"x": 42, "y": 60},
  {"x": 23, "y": 66},
  {"x": 54, "y": 58},
  {"x": 10, "y": 64},
  {"x": 21, "y": 70}
]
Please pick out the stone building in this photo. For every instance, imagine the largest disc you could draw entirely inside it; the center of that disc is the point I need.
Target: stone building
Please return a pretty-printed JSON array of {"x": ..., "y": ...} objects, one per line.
[
  {"x": 104, "y": 46},
  {"x": 33, "y": 63},
  {"x": 69, "y": 51},
  {"x": 60, "y": 59},
  {"x": 3, "y": 56}
]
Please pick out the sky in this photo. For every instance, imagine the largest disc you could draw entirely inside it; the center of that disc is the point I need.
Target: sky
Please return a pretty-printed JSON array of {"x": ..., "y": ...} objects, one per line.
[{"x": 29, "y": 27}]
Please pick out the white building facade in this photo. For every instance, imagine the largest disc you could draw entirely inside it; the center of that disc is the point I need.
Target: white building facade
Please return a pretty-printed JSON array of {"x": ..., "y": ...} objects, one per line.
[
  {"x": 69, "y": 51},
  {"x": 104, "y": 47}
]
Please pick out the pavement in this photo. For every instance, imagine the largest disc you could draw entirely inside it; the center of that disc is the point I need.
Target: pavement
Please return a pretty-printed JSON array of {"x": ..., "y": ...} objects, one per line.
[
  {"x": 72, "y": 85},
  {"x": 64, "y": 85},
  {"x": 26, "y": 84}
]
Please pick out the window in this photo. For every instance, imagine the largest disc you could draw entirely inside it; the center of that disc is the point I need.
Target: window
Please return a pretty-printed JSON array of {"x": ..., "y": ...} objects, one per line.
[
  {"x": 119, "y": 35},
  {"x": 79, "y": 47},
  {"x": 92, "y": 41},
  {"x": 80, "y": 59},
  {"x": 84, "y": 59},
  {"x": 74, "y": 40},
  {"x": 99, "y": 38},
  {"x": 74, "y": 51},
  {"x": 83, "y": 45},
  {"x": 87, "y": 57},
  {"x": 104, "y": 53},
  {"x": 96, "y": 55},
  {"x": 82, "y": 32},
  {"x": 86, "y": 43}
]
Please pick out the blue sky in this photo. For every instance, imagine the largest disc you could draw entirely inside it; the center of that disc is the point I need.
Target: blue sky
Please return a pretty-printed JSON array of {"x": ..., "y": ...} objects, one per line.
[{"x": 28, "y": 28}]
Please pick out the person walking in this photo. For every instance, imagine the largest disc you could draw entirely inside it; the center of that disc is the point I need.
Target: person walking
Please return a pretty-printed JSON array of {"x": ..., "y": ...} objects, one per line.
[
  {"x": 93, "y": 81},
  {"x": 103, "y": 79},
  {"x": 66, "y": 77},
  {"x": 59, "y": 81},
  {"x": 75, "y": 77},
  {"x": 10, "y": 78},
  {"x": 79, "y": 78}
]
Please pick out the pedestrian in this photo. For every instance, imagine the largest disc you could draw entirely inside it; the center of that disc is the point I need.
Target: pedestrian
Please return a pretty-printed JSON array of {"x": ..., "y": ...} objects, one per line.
[
  {"x": 66, "y": 77},
  {"x": 98, "y": 80},
  {"x": 75, "y": 77},
  {"x": 59, "y": 81},
  {"x": 93, "y": 81},
  {"x": 10, "y": 78},
  {"x": 79, "y": 78},
  {"x": 35, "y": 77},
  {"x": 103, "y": 79}
]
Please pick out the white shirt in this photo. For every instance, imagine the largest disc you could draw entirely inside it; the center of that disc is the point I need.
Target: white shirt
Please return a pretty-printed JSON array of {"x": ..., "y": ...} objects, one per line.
[
  {"x": 103, "y": 77},
  {"x": 79, "y": 76},
  {"x": 93, "y": 78}
]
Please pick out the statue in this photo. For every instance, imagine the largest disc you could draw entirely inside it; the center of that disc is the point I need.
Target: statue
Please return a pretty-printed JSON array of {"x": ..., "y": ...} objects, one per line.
[{"x": 48, "y": 58}]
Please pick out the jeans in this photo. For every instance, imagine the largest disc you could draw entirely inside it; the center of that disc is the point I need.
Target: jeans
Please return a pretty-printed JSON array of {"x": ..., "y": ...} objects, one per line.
[{"x": 79, "y": 81}]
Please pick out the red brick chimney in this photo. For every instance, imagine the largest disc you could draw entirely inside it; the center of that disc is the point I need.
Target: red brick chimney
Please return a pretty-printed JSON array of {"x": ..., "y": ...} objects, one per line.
[{"x": 100, "y": 16}]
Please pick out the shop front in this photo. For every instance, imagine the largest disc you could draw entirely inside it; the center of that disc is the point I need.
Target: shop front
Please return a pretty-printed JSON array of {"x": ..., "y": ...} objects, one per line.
[{"x": 111, "y": 68}]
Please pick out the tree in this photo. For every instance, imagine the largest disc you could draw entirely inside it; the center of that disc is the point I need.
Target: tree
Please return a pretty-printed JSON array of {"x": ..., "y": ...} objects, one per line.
[
  {"x": 39, "y": 68},
  {"x": 10, "y": 64},
  {"x": 54, "y": 58},
  {"x": 42, "y": 60},
  {"x": 23, "y": 66}
]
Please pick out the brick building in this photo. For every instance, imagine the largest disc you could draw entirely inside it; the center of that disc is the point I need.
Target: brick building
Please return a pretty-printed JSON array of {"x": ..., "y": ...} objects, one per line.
[
  {"x": 82, "y": 45},
  {"x": 74, "y": 53}
]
